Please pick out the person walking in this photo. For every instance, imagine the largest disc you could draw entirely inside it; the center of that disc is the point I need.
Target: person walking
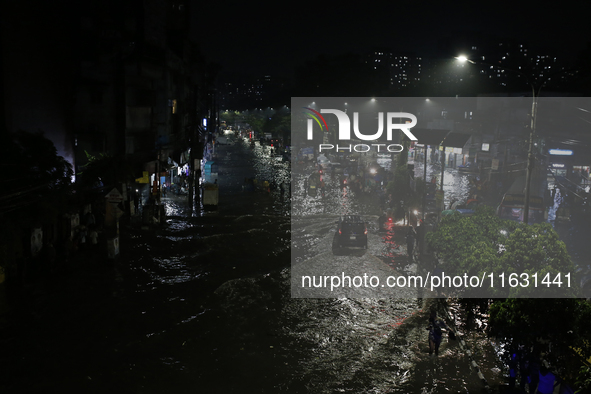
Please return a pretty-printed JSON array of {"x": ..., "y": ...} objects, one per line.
[
  {"x": 411, "y": 236},
  {"x": 546, "y": 381},
  {"x": 136, "y": 202},
  {"x": 435, "y": 329},
  {"x": 513, "y": 366},
  {"x": 534, "y": 370},
  {"x": 524, "y": 359},
  {"x": 421, "y": 238}
]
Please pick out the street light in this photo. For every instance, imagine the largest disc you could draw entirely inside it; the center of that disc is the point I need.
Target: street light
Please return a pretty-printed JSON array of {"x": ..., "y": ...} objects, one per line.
[{"x": 463, "y": 59}]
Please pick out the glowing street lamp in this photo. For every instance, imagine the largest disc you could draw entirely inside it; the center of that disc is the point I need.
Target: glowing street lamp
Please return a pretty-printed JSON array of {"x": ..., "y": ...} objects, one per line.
[{"x": 464, "y": 59}]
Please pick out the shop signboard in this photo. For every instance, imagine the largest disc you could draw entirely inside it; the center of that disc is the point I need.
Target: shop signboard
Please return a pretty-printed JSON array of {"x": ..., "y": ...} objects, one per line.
[
  {"x": 144, "y": 179},
  {"x": 495, "y": 164},
  {"x": 114, "y": 196}
]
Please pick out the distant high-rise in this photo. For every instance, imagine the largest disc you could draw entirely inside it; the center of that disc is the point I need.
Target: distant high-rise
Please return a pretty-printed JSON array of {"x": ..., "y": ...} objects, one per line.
[
  {"x": 500, "y": 64},
  {"x": 399, "y": 70}
]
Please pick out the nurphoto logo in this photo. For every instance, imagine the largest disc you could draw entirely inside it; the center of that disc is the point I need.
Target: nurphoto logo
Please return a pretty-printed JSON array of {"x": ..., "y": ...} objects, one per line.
[{"x": 344, "y": 129}]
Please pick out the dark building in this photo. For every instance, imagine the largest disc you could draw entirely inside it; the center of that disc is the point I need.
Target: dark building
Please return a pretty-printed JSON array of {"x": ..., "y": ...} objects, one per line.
[
  {"x": 120, "y": 80},
  {"x": 138, "y": 93}
]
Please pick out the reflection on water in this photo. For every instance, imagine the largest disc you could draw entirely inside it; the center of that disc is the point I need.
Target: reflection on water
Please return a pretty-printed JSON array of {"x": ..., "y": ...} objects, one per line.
[{"x": 456, "y": 186}]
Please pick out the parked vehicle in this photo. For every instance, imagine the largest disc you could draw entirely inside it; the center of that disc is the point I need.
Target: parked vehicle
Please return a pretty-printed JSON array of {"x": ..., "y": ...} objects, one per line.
[
  {"x": 222, "y": 140},
  {"x": 351, "y": 232}
]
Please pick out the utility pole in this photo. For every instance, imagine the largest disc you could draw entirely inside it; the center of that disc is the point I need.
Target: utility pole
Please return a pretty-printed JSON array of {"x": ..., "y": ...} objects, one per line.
[
  {"x": 442, "y": 165},
  {"x": 530, "y": 154},
  {"x": 424, "y": 182}
]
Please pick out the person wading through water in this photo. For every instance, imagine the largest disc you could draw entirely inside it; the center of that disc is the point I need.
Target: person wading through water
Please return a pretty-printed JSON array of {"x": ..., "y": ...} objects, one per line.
[{"x": 435, "y": 329}]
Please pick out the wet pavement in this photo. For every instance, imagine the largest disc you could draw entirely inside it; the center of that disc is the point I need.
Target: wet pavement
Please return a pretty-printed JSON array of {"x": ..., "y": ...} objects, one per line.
[{"x": 203, "y": 304}]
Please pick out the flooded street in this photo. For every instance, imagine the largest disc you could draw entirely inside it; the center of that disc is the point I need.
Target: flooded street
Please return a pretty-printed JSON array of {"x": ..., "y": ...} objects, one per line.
[{"x": 203, "y": 304}]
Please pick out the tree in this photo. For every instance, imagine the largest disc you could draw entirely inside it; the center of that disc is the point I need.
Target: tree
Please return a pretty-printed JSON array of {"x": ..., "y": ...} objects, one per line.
[
  {"x": 35, "y": 172},
  {"x": 278, "y": 124},
  {"x": 256, "y": 122},
  {"x": 230, "y": 117},
  {"x": 103, "y": 171},
  {"x": 487, "y": 245}
]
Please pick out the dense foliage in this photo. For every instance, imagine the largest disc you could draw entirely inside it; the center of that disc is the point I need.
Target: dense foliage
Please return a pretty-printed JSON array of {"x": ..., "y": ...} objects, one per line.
[
  {"x": 484, "y": 244},
  {"x": 35, "y": 173},
  {"x": 103, "y": 171}
]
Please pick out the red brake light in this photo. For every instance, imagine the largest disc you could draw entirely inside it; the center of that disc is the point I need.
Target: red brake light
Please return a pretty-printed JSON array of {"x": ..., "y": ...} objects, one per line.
[
  {"x": 389, "y": 219},
  {"x": 340, "y": 231},
  {"x": 365, "y": 232}
]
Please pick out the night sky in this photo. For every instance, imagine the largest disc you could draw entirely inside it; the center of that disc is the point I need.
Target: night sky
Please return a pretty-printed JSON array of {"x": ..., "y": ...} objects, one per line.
[{"x": 251, "y": 37}]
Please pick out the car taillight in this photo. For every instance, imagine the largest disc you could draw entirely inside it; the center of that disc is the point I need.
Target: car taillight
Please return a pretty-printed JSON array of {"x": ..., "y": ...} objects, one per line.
[
  {"x": 365, "y": 232},
  {"x": 389, "y": 219},
  {"x": 340, "y": 231}
]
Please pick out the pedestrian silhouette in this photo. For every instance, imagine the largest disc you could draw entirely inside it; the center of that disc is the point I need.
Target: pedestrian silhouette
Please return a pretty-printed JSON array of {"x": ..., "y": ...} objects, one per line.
[
  {"x": 411, "y": 236},
  {"x": 435, "y": 329}
]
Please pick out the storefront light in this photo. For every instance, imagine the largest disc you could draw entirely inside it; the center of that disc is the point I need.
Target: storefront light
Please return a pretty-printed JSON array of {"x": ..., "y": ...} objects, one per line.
[{"x": 560, "y": 152}]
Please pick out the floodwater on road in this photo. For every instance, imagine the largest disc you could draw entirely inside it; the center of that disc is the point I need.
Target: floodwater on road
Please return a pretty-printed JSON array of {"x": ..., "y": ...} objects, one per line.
[{"x": 203, "y": 304}]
